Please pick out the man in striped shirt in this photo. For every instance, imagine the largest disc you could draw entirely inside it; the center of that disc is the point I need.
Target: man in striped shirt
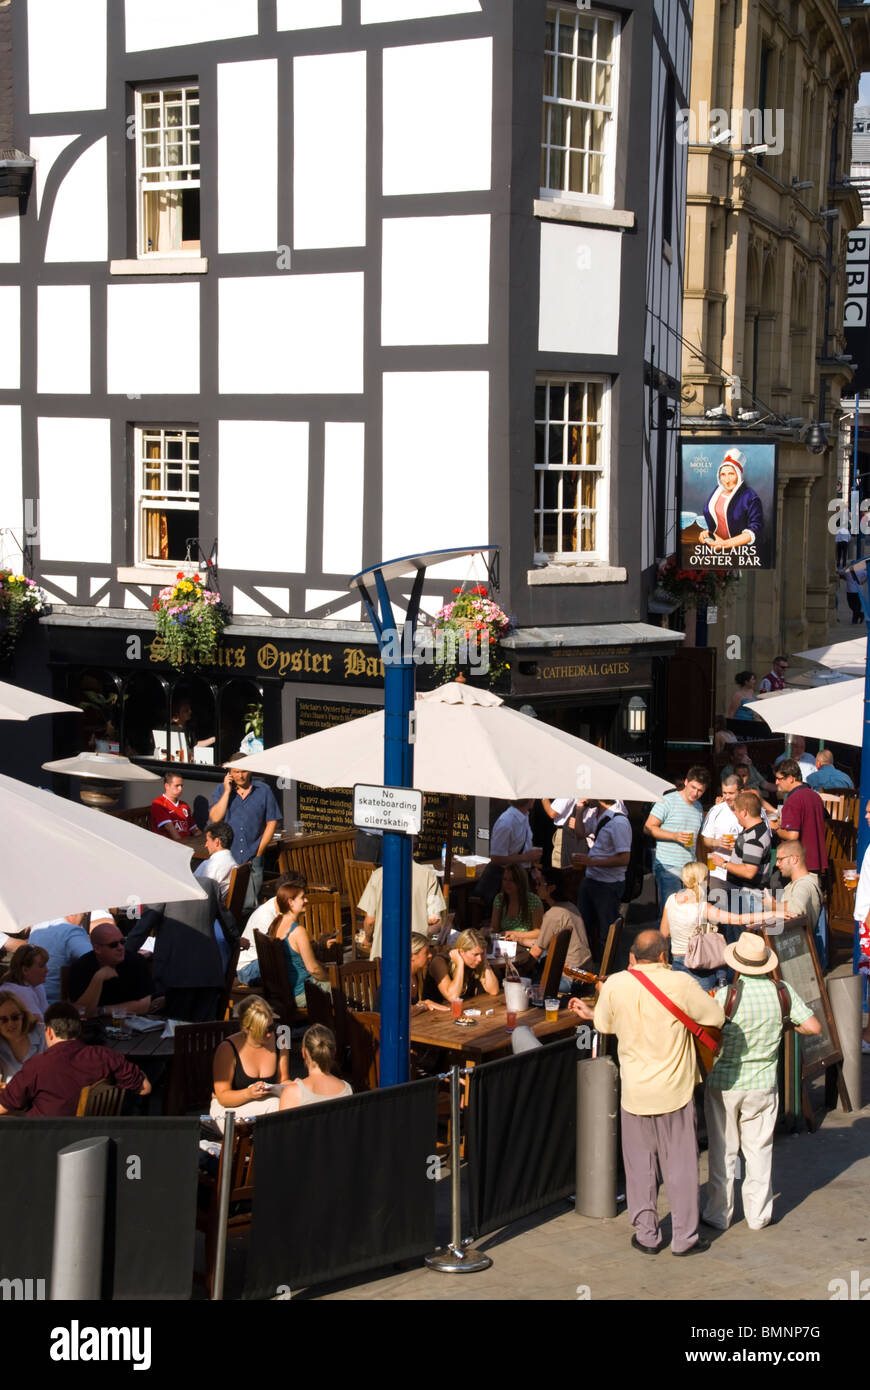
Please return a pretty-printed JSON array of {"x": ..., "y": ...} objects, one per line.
[
  {"x": 674, "y": 823},
  {"x": 747, "y": 870},
  {"x": 741, "y": 1098}
]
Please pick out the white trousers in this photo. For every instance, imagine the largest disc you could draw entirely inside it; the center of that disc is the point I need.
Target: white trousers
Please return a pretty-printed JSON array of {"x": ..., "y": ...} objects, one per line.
[{"x": 740, "y": 1121}]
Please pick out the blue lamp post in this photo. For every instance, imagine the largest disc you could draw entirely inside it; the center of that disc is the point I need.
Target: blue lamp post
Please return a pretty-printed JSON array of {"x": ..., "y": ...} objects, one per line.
[{"x": 396, "y": 645}]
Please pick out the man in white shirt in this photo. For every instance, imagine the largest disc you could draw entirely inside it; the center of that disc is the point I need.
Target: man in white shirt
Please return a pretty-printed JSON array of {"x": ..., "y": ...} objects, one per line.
[
  {"x": 427, "y": 904},
  {"x": 220, "y": 863},
  {"x": 721, "y": 822},
  {"x": 561, "y": 813},
  {"x": 800, "y": 755},
  {"x": 510, "y": 842}
]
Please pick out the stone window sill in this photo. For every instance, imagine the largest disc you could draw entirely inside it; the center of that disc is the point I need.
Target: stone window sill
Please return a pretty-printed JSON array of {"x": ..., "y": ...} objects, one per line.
[
  {"x": 144, "y": 574},
  {"x": 591, "y": 216},
  {"x": 171, "y": 265},
  {"x": 577, "y": 574}
]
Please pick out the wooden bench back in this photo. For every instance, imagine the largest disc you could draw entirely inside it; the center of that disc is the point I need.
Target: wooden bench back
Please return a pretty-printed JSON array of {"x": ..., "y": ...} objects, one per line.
[
  {"x": 320, "y": 858},
  {"x": 136, "y": 815}
]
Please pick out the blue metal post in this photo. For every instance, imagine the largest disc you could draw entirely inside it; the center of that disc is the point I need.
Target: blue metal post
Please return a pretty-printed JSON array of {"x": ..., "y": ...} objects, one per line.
[
  {"x": 859, "y": 548},
  {"x": 863, "y": 828}
]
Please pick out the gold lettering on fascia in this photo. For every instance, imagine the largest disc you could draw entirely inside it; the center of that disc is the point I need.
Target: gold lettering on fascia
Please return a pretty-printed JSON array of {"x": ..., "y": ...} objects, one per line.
[{"x": 585, "y": 670}]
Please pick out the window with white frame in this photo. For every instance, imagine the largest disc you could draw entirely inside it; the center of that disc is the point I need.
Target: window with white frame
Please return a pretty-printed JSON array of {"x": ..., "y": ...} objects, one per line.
[
  {"x": 571, "y": 468},
  {"x": 579, "y": 110},
  {"x": 167, "y": 493},
  {"x": 167, "y": 169}
]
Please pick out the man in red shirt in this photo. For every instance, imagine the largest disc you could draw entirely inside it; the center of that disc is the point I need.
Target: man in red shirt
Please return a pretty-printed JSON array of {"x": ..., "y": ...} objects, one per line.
[
  {"x": 803, "y": 814},
  {"x": 170, "y": 815},
  {"x": 50, "y": 1083}
]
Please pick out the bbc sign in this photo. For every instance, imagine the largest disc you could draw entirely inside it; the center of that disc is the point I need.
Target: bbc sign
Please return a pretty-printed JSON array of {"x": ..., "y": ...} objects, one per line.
[{"x": 855, "y": 307}]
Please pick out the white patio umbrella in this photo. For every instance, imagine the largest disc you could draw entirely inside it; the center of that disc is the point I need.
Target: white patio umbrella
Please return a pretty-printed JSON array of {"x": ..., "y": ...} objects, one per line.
[
  {"x": 468, "y": 743},
  {"x": 60, "y": 857},
  {"x": 849, "y": 656},
  {"x": 834, "y": 713},
  {"x": 16, "y": 703}
]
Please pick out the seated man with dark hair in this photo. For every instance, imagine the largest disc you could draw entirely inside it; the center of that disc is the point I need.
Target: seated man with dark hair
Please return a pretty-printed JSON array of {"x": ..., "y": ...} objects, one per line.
[
  {"x": 220, "y": 863},
  {"x": 107, "y": 976},
  {"x": 50, "y": 1084}
]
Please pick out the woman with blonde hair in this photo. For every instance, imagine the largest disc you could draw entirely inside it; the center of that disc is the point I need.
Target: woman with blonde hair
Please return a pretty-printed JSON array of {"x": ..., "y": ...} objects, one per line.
[
  {"x": 462, "y": 973},
  {"x": 318, "y": 1054},
  {"x": 26, "y": 978},
  {"x": 684, "y": 914},
  {"x": 21, "y": 1035},
  {"x": 249, "y": 1068}
]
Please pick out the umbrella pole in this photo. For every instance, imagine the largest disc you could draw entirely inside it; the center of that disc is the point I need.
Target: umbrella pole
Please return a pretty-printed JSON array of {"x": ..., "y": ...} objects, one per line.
[{"x": 448, "y": 839}]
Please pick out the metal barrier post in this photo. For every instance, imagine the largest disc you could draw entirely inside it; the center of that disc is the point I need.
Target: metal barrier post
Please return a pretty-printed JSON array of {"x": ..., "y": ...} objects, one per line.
[
  {"x": 220, "y": 1257},
  {"x": 454, "y": 1259},
  {"x": 79, "y": 1221},
  {"x": 597, "y": 1108},
  {"x": 845, "y": 994}
]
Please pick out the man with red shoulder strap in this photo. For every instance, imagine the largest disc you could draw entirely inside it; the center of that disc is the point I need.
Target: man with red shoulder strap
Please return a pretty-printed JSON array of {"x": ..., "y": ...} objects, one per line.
[
  {"x": 742, "y": 1098},
  {"x": 170, "y": 815},
  {"x": 659, "y": 1071}
]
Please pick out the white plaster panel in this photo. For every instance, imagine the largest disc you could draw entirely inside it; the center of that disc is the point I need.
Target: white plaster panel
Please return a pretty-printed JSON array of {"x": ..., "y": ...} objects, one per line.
[
  {"x": 263, "y": 494},
  {"x": 435, "y": 280},
  {"x": 308, "y": 14},
  {"x": 248, "y": 102},
  {"x": 79, "y": 229},
  {"x": 292, "y": 334},
  {"x": 132, "y": 600},
  {"x": 243, "y": 603},
  {"x": 67, "y": 584},
  {"x": 10, "y": 338},
  {"x": 329, "y": 150},
  {"x": 343, "y": 485},
  {"x": 318, "y": 598},
  {"x": 64, "y": 339},
  {"x": 579, "y": 306},
  {"x": 10, "y": 231},
  {"x": 45, "y": 150},
  {"x": 66, "y": 50},
  {"x": 153, "y": 339},
  {"x": 11, "y": 488},
  {"x": 435, "y": 460},
  {"x": 172, "y": 23},
  {"x": 75, "y": 490},
  {"x": 388, "y": 11},
  {"x": 281, "y": 597},
  {"x": 438, "y": 117},
  {"x": 96, "y": 585}
]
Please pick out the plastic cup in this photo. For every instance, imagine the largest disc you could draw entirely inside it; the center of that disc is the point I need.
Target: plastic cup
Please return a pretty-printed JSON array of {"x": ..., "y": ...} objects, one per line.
[
  {"x": 471, "y": 871},
  {"x": 711, "y": 863},
  {"x": 850, "y": 878},
  {"x": 551, "y": 1007},
  {"x": 511, "y": 1020},
  {"x": 456, "y": 1008}
]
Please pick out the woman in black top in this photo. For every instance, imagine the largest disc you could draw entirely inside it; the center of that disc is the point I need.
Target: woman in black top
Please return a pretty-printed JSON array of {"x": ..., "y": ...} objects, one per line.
[
  {"x": 248, "y": 1064},
  {"x": 463, "y": 973}
]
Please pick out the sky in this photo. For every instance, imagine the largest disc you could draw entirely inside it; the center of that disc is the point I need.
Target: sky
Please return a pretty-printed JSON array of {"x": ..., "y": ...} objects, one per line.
[{"x": 864, "y": 89}]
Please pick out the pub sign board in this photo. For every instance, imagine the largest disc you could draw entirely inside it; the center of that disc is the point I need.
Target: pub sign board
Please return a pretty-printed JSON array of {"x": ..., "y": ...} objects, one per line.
[{"x": 728, "y": 503}]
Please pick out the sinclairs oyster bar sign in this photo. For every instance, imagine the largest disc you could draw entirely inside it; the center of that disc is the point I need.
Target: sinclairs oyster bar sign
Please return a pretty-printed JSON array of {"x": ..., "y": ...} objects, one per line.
[{"x": 727, "y": 504}]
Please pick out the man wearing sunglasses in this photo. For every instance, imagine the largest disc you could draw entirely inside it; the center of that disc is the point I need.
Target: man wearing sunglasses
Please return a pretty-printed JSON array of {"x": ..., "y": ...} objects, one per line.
[{"x": 108, "y": 978}]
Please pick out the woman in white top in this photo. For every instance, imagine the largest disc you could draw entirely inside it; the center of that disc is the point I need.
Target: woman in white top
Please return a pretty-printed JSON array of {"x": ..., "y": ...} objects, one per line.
[
  {"x": 318, "y": 1054},
  {"x": 683, "y": 914},
  {"x": 26, "y": 978}
]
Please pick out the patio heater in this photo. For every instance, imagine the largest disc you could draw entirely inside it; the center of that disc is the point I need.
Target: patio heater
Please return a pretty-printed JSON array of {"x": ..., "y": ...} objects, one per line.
[{"x": 396, "y": 645}]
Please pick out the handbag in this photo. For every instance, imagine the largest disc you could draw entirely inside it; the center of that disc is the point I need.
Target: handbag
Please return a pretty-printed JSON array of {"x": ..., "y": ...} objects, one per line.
[
  {"x": 707, "y": 1040},
  {"x": 705, "y": 950}
]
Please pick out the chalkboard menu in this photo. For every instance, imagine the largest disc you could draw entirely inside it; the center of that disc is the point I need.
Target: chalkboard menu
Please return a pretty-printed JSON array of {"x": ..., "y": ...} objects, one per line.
[
  {"x": 323, "y": 809},
  {"x": 799, "y": 967}
]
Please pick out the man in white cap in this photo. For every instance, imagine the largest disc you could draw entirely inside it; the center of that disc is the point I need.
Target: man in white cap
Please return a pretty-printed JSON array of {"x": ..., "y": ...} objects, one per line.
[{"x": 741, "y": 1097}]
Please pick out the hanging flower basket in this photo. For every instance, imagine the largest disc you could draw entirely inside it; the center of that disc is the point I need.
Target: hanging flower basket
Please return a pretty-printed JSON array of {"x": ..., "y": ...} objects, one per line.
[
  {"x": 694, "y": 588},
  {"x": 21, "y": 600},
  {"x": 467, "y": 632},
  {"x": 190, "y": 620}
]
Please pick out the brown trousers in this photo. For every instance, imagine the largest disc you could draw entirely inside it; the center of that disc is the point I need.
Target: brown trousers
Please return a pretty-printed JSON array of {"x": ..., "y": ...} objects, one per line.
[{"x": 662, "y": 1148}]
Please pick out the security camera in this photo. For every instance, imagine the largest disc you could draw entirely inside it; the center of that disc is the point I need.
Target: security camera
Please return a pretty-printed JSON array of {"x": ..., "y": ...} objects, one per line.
[
  {"x": 747, "y": 417},
  {"x": 716, "y": 412},
  {"x": 816, "y": 438},
  {"x": 806, "y": 183},
  {"x": 722, "y": 138}
]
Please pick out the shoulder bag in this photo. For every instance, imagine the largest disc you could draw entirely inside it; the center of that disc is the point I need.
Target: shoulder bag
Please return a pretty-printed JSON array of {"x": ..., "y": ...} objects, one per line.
[
  {"x": 707, "y": 1040},
  {"x": 705, "y": 949}
]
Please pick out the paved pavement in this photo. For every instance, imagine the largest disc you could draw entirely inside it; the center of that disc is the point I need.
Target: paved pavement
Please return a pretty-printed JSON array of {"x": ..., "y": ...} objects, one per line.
[{"x": 822, "y": 1233}]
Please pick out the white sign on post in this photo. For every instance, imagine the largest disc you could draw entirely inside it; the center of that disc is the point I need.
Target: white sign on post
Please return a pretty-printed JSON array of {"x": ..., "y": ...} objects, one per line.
[{"x": 387, "y": 808}]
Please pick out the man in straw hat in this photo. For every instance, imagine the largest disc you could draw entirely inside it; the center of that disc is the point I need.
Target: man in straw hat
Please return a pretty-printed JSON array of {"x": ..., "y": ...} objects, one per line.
[{"x": 741, "y": 1099}]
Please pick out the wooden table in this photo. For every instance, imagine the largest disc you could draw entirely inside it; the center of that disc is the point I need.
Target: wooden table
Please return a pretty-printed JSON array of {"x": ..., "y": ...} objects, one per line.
[
  {"x": 489, "y": 1037},
  {"x": 138, "y": 1045}
]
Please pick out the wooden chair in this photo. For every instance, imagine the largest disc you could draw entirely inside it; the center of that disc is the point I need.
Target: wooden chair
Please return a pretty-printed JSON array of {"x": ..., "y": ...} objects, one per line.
[
  {"x": 274, "y": 979},
  {"x": 611, "y": 945},
  {"x": 364, "y": 1039},
  {"x": 135, "y": 815},
  {"x": 322, "y": 920},
  {"x": 357, "y": 873},
  {"x": 101, "y": 1098},
  {"x": 238, "y": 887},
  {"x": 840, "y": 902},
  {"x": 553, "y": 965},
  {"x": 225, "y": 1006},
  {"x": 189, "y": 1085},
  {"x": 355, "y": 989},
  {"x": 241, "y": 1191}
]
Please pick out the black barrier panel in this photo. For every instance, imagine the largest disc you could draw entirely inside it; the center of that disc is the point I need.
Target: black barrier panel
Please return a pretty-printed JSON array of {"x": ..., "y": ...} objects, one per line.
[
  {"x": 151, "y": 1203},
  {"x": 343, "y": 1186},
  {"x": 521, "y": 1132}
]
